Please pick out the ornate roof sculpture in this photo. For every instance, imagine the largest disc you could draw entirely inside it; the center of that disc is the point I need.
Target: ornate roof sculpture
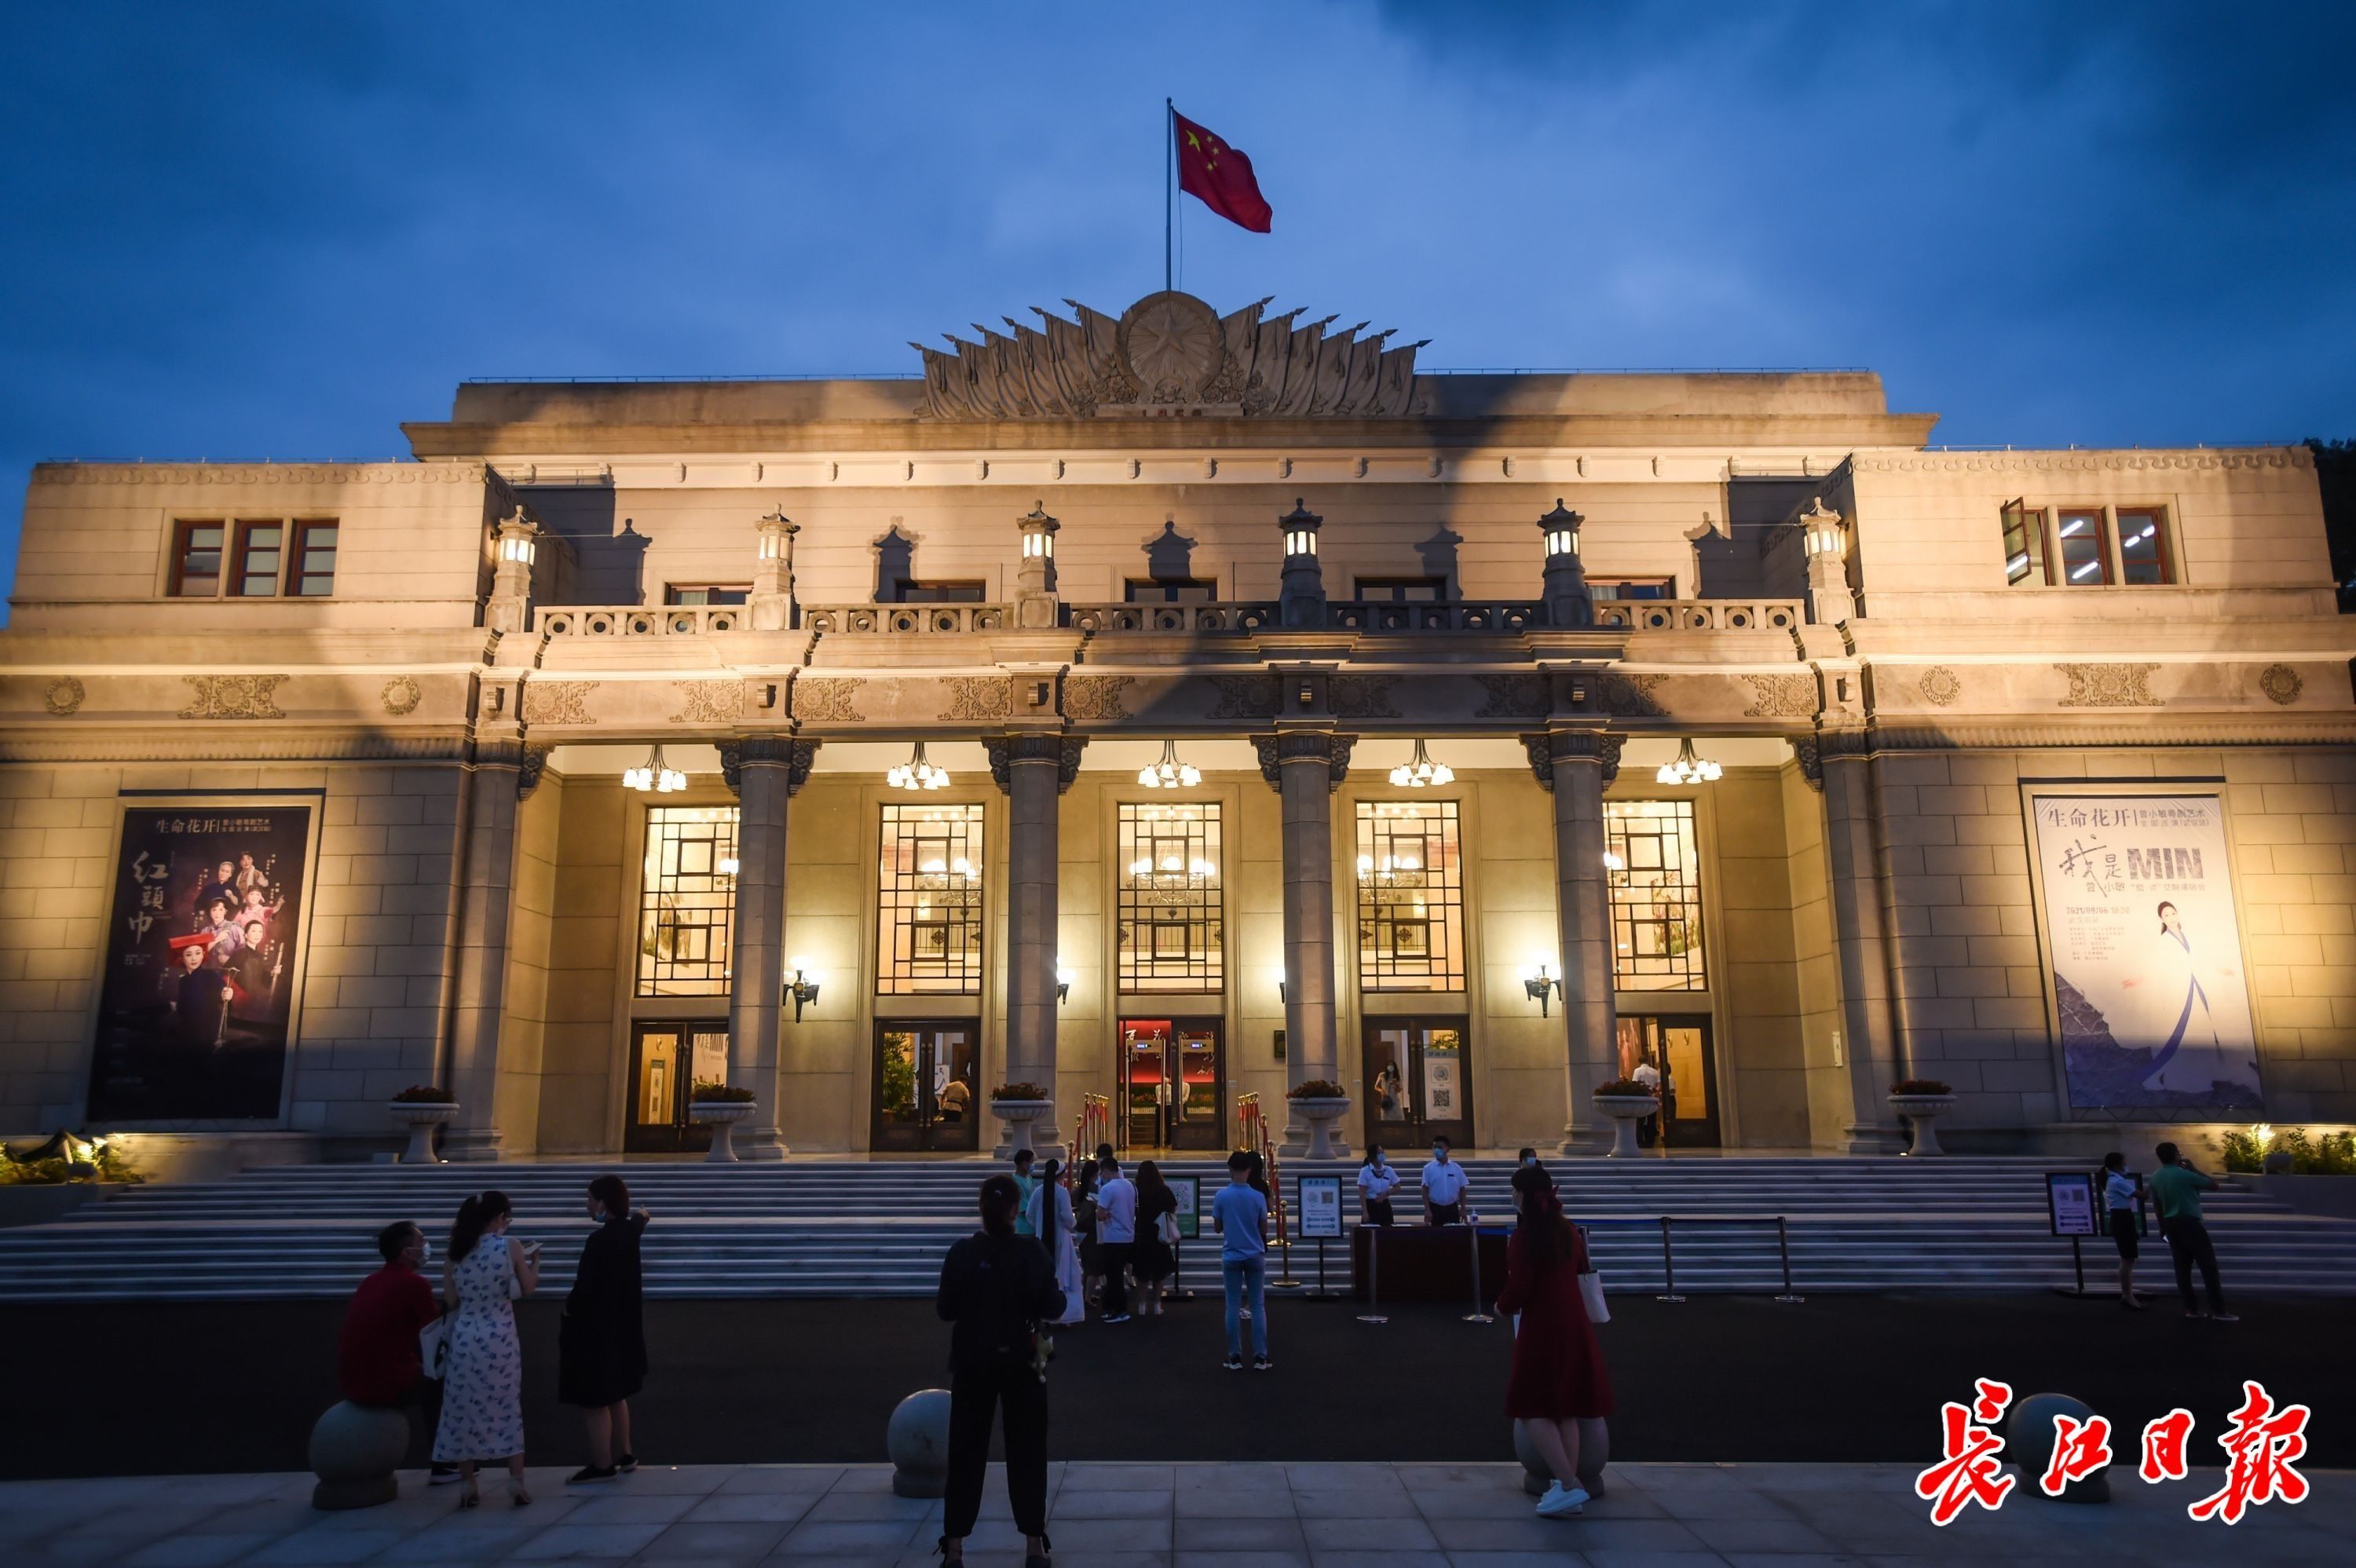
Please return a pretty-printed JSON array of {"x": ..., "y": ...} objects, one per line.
[{"x": 1169, "y": 354}]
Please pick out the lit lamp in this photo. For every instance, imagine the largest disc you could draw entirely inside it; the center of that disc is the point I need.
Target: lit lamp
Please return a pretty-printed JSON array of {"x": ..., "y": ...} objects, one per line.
[
  {"x": 1568, "y": 601},
  {"x": 803, "y": 990},
  {"x": 917, "y": 772},
  {"x": 1062, "y": 983},
  {"x": 655, "y": 775},
  {"x": 1170, "y": 772},
  {"x": 1420, "y": 771},
  {"x": 1688, "y": 768},
  {"x": 772, "y": 599},
  {"x": 1540, "y": 988},
  {"x": 1300, "y": 601},
  {"x": 1036, "y": 604},
  {"x": 1612, "y": 862},
  {"x": 515, "y": 546},
  {"x": 1279, "y": 984},
  {"x": 1825, "y": 538}
]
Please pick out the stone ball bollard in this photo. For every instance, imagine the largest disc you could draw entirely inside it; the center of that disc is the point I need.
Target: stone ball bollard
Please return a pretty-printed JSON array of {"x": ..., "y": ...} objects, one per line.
[
  {"x": 918, "y": 1442},
  {"x": 355, "y": 1450},
  {"x": 1594, "y": 1454},
  {"x": 2028, "y": 1442}
]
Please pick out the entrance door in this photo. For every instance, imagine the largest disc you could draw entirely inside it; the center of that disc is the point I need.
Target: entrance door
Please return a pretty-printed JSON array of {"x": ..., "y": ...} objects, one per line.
[
  {"x": 1173, "y": 1084},
  {"x": 667, "y": 1061},
  {"x": 926, "y": 1093},
  {"x": 1419, "y": 1081},
  {"x": 1677, "y": 1047}
]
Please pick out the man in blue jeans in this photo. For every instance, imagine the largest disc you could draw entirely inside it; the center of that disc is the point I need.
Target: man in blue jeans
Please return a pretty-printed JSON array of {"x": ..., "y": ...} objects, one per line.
[{"x": 1241, "y": 1215}]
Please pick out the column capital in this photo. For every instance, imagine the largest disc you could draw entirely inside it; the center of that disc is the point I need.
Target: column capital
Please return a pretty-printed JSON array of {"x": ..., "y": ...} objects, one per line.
[
  {"x": 1599, "y": 746},
  {"x": 1328, "y": 746},
  {"x": 1034, "y": 746},
  {"x": 792, "y": 752}
]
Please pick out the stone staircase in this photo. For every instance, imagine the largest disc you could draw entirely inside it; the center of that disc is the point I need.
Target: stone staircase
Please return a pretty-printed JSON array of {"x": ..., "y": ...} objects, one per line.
[{"x": 846, "y": 1227}]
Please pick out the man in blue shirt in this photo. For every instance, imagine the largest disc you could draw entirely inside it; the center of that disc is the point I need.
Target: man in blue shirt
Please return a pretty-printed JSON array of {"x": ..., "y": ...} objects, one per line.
[{"x": 1241, "y": 1215}]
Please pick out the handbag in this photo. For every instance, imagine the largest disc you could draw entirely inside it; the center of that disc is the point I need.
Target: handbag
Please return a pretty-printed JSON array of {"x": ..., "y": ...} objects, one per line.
[
  {"x": 1166, "y": 1227},
  {"x": 433, "y": 1347},
  {"x": 1591, "y": 1295}
]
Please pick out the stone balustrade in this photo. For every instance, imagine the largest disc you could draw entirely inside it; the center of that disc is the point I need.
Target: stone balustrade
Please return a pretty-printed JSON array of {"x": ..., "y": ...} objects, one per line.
[
  {"x": 1701, "y": 614},
  {"x": 640, "y": 620},
  {"x": 887, "y": 618}
]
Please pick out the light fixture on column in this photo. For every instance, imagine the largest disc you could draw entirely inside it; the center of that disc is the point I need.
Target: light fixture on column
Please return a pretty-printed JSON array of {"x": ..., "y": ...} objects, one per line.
[
  {"x": 729, "y": 865},
  {"x": 1612, "y": 862},
  {"x": 655, "y": 775},
  {"x": 1540, "y": 987},
  {"x": 1279, "y": 984},
  {"x": 1170, "y": 772},
  {"x": 1688, "y": 768},
  {"x": 1062, "y": 983},
  {"x": 917, "y": 772},
  {"x": 1420, "y": 771},
  {"x": 803, "y": 990}
]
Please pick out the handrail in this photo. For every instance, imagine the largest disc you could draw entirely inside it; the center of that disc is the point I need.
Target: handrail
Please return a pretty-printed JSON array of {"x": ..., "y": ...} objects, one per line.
[
  {"x": 638, "y": 619},
  {"x": 1668, "y": 1254}
]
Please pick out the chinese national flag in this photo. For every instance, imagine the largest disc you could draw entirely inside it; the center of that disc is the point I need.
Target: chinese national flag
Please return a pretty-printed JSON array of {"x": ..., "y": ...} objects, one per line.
[{"x": 1219, "y": 174}]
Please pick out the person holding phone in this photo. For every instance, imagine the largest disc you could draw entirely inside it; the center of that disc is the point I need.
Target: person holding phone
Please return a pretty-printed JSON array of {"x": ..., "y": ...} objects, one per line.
[{"x": 482, "y": 1388}]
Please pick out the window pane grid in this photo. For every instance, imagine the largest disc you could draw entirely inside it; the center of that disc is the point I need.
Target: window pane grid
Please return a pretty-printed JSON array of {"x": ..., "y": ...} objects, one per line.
[
  {"x": 687, "y": 900},
  {"x": 930, "y": 910},
  {"x": 260, "y": 548},
  {"x": 1410, "y": 896},
  {"x": 2143, "y": 549},
  {"x": 1171, "y": 934},
  {"x": 1655, "y": 895},
  {"x": 315, "y": 560},
  {"x": 2078, "y": 542},
  {"x": 196, "y": 574}
]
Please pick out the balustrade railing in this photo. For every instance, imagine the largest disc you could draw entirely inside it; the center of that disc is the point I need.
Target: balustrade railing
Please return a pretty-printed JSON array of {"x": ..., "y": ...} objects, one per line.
[
  {"x": 1171, "y": 618},
  {"x": 639, "y": 620},
  {"x": 1700, "y": 615},
  {"x": 906, "y": 618}
]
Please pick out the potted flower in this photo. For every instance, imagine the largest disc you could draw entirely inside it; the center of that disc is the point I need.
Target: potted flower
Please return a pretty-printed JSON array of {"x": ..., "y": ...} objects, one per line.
[
  {"x": 720, "y": 1107},
  {"x": 1321, "y": 1103},
  {"x": 1920, "y": 1101},
  {"x": 1020, "y": 1106},
  {"x": 421, "y": 1108},
  {"x": 1626, "y": 1100}
]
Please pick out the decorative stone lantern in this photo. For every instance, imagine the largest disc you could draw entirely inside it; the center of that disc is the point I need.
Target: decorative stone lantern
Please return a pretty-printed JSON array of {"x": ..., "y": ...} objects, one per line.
[
  {"x": 1301, "y": 600},
  {"x": 1825, "y": 538},
  {"x": 516, "y": 543},
  {"x": 1036, "y": 605},
  {"x": 772, "y": 599},
  {"x": 1568, "y": 601}
]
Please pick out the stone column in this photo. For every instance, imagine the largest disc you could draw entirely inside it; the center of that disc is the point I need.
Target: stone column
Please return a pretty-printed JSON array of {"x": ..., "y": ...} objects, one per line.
[
  {"x": 1578, "y": 765},
  {"x": 765, "y": 771},
  {"x": 1306, "y": 766},
  {"x": 486, "y": 891},
  {"x": 1033, "y": 769},
  {"x": 1861, "y": 937}
]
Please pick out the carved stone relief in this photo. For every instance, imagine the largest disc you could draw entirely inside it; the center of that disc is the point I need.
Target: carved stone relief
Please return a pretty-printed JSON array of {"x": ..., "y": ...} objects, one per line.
[
  {"x": 400, "y": 696},
  {"x": 2281, "y": 684},
  {"x": 64, "y": 695},
  {"x": 1812, "y": 762},
  {"x": 975, "y": 697},
  {"x": 2109, "y": 686},
  {"x": 1941, "y": 685},
  {"x": 1544, "y": 748},
  {"x": 1005, "y": 751},
  {"x": 832, "y": 702},
  {"x": 708, "y": 701},
  {"x": 1096, "y": 697},
  {"x": 1782, "y": 697},
  {"x": 558, "y": 701},
  {"x": 1324, "y": 746},
  {"x": 1631, "y": 696},
  {"x": 534, "y": 762},
  {"x": 797, "y": 754},
  {"x": 1363, "y": 696},
  {"x": 232, "y": 697},
  {"x": 1245, "y": 696},
  {"x": 1514, "y": 696}
]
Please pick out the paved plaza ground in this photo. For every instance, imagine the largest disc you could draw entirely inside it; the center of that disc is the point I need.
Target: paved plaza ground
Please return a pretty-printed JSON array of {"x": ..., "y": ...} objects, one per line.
[{"x": 1167, "y": 1515}]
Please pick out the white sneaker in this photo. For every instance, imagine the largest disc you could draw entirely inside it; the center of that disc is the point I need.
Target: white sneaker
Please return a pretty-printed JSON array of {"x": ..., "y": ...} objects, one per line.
[{"x": 1561, "y": 1504}]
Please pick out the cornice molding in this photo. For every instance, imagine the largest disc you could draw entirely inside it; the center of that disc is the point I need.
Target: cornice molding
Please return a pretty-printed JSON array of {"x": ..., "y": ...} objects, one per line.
[
  {"x": 2194, "y": 458},
  {"x": 436, "y": 473}
]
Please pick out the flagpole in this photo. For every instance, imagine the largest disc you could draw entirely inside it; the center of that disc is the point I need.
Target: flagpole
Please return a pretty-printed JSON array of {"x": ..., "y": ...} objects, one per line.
[{"x": 1169, "y": 196}]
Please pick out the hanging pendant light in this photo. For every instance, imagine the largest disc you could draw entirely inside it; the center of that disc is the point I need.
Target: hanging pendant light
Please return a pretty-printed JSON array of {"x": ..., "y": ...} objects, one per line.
[
  {"x": 1420, "y": 771},
  {"x": 655, "y": 775},
  {"x": 1688, "y": 768},
  {"x": 917, "y": 772},
  {"x": 1170, "y": 772}
]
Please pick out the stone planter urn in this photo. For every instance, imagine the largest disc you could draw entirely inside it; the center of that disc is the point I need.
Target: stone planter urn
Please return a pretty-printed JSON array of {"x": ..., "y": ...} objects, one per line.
[
  {"x": 1923, "y": 1112},
  {"x": 720, "y": 1116},
  {"x": 421, "y": 1117},
  {"x": 1320, "y": 1112},
  {"x": 1625, "y": 1111},
  {"x": 1020, "y": 1117}
]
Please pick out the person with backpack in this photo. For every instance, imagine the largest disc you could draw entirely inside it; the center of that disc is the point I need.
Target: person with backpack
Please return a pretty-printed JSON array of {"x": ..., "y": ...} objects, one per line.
[{"x": 996, "y": 1290}]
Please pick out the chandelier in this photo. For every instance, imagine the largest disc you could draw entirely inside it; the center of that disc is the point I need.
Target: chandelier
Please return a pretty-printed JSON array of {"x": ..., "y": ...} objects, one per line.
[
  {"x": 1170, "y": 772},
  {"x": 1688, "y": 768},
  {"x": 1171, "y": 866},
  {"x": 1420, "y": 770},
  {"x": 655, "y": 775},
  {"x": 917, "y": 772}
]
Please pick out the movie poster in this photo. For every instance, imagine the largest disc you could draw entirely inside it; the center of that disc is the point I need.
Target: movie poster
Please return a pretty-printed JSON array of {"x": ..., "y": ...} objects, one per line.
[
  {"x": 2148, "y": 979},
  {"x": 199, "y": 991}
]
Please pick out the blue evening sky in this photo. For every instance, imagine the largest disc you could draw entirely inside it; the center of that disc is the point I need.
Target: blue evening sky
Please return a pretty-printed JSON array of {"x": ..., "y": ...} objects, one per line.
[{"x": 260, "y": 231}]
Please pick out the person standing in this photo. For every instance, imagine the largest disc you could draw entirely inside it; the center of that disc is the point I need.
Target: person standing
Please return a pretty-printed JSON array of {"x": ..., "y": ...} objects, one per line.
[
  {"x": 377, "y": 1360},
  {"x": 482, "y": 1393},
  {"x": 1648, "y": 1129},
  {"x": 602, "y": 1339},
  {"x": 1378, "y": 1179},
  {"x": 1156, "y": 1256},
  {"x": 1241, "y": 1214},
  {"x": 1444, "y": 1182},
  {"x": 996, "y": 1289},
  {"x": 1558, "y": 1377},
  {"x": 1026, "y": 1184},
  {"x": 2123, "y": 1206},
  {"x": 2176, "y": 1190},
  {"x": 1083, "y": 1227},
  {"x": 1115, "y": 1236},
  {"x": 1051, "y": 1225}
]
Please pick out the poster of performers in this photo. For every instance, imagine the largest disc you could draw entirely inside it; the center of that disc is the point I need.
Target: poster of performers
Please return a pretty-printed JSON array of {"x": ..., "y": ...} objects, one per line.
[
  {"x": 199, "y": 992},
  {"x": 2149, "y": 983}
]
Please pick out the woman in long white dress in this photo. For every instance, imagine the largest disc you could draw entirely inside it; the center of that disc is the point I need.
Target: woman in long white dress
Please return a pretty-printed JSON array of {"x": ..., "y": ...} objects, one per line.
[
  {"x": 1050, "y": 1213},
  {"x": 2190, "y": 1057},
  {"x": 482, "y": 1389}
]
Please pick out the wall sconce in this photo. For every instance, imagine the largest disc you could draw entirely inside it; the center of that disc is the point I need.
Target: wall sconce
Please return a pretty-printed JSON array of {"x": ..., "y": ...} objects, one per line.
[
  {"x": 802, "y": 990},
  {"x": 1281, "y": 995},
  {"x": 655, "y": 776},
  {"x": 1062, "y": 984},
  {"x": 1612, "y": 862},
  {"x": 1541, "y": 988}
]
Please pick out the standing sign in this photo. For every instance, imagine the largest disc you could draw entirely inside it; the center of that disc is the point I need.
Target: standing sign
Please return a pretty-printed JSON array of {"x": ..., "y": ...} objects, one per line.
[
  {"x": 2070, "y": 1203},
  {"x": 2149, "y": 988},
  {"x": 1188, "y": 1191},
  {"x": 1320, "y": 1208}
]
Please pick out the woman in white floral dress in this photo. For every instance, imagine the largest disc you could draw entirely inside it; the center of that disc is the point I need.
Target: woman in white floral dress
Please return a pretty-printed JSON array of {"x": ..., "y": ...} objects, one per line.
[{"x": 482, "y": 1389}]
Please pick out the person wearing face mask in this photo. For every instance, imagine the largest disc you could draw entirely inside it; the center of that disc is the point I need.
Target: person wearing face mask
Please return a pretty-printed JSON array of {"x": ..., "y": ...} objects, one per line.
[
  {"x": 1444, "y": 1182},
  {"x": 377, "y": 1358},
  {"x": 1378, "y": 1179}
]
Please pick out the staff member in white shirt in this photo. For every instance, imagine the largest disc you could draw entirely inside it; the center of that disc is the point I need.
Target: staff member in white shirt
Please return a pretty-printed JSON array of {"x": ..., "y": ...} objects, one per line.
[
  {"x": 1378, "y": 1179},
  {"x": 1444, "y": 1182},
  {"x": 2121, "y": 1202},
  {"x": 1648, "y": 1128},
  {"x": 1115, "y": 1236}
]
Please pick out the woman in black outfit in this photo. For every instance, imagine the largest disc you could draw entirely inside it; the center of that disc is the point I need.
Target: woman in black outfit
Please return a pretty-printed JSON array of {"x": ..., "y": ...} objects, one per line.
[
  {"x": 602, "y": 1342},
  {"x": 997, "y": 1288},
  {"x": 1155, "y": 1262}
]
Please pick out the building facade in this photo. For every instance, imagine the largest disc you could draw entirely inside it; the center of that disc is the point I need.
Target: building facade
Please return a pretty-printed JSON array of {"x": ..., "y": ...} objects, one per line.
[{"x": 1174, "y": 708}]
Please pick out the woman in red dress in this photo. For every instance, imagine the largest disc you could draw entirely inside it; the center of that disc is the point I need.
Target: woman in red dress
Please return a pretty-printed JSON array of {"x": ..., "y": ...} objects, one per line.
[{"x": 1558, "y": 1377}]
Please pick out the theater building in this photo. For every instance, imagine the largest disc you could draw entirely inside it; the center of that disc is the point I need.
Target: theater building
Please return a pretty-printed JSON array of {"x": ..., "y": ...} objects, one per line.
[{"x": 1174, "y": 706}]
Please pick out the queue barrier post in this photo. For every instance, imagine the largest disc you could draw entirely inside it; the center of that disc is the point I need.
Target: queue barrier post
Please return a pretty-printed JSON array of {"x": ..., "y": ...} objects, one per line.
[
  {"x": 1783, "y": 1251},
  {"x": 1373, "y": 1276},
  {"x": 1668, "y": 1265},
  {"x": 1472, "y": 1227}
]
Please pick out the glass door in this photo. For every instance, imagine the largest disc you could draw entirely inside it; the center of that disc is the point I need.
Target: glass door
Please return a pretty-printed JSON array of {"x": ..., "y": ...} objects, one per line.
[
  {"x": 1677, "y": 1049},
  {"x": 667, "y": 1061},
  {"x": 926, "y": 1095},
  {"x": 1419, "y": 1081},
  {"x": 1173, "y": 1084}
]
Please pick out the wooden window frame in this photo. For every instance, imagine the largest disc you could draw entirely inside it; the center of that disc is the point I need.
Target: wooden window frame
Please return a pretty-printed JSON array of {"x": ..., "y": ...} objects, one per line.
[
  {"x": 175, "y": 579},
  {"x": 672, "y": 591},
  {"x": 299, "y": 554},
  {"x": 2044, "y": 525},
  {"x": 2036, "y": 544},
  {"x": 2164, "y": 548},
  {"x": 233, "y": 578}
]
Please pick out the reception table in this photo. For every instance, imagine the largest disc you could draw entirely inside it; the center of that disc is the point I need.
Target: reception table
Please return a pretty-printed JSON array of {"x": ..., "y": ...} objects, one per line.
[{"x": 1428, "y": 1263}]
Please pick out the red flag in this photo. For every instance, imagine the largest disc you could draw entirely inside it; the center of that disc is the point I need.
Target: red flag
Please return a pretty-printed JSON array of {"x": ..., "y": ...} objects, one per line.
[{"x": 1219, "y": 174}]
